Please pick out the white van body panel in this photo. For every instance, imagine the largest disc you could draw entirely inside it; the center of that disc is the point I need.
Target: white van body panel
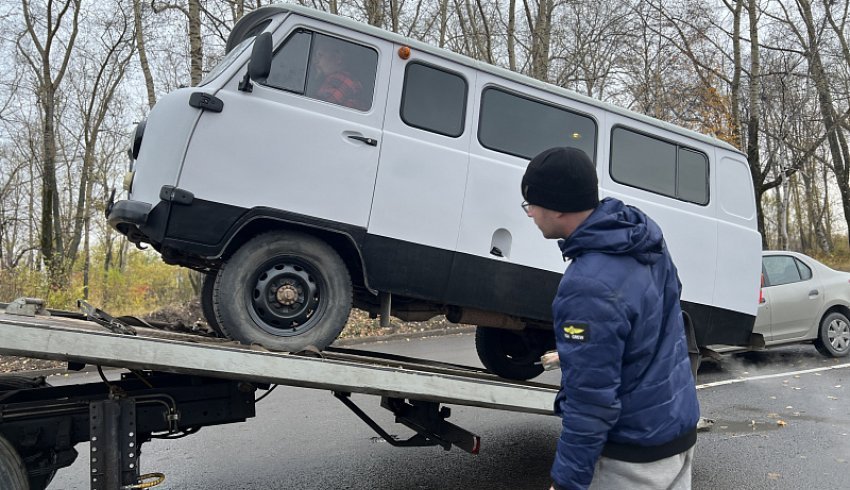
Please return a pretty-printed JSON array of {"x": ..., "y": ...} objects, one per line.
[
  {"x": 168, "y": 131},
  {"x": 738, "y": 274},
  {"x": 281, "y": 150},
  {"x": 493, "y": 195},
  {"x": 690, "y": 230},
  {"x": 419, "y": 191}
]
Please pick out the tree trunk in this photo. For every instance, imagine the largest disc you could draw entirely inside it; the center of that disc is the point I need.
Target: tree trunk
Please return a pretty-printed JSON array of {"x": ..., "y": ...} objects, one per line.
[
  {"x": 836, "y": 141},
  {"x": 753, "y": 157},
  {"x": 541, "y": 30},
  {"x": 143, "y": 53},
  {"x": 196, "y": 47}
]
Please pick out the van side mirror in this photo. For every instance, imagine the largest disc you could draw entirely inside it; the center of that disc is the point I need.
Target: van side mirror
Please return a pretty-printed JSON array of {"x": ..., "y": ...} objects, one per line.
[{"x": 260, "y": 64}]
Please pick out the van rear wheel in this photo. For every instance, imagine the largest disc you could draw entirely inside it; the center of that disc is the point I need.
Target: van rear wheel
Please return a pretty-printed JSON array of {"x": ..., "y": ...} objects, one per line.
[
  {"x": 284, "y": 291},
  {"x": 510, "y": 354}
]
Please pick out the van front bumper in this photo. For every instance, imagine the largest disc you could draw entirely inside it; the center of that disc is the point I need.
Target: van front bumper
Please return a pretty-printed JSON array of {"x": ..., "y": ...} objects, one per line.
[{"x": 135, "y": 220}]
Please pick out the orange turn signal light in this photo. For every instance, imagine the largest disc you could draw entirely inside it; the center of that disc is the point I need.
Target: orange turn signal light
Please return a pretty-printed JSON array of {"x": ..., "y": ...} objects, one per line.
[{"x": 404, "y": 52}]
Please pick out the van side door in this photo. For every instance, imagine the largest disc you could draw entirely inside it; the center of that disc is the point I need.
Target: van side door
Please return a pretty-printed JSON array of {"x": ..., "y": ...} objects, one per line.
[
  {"x": 504, "y": 263},
  {"x": 419, "y": 191},
  {"x": 304, "y": 142}
]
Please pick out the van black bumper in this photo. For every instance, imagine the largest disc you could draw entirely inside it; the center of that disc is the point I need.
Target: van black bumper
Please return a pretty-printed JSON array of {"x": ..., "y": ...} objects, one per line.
[{"x": 137, "y": 221}]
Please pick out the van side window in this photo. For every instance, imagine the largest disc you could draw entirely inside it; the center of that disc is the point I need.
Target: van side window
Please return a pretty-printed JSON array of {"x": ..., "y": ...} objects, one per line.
[
  {"x": 325, "y": 68},
  {"x": 524, "y": 127},
  {"x": 433, "y": 100},
  {"x": 658, "y": 166}
]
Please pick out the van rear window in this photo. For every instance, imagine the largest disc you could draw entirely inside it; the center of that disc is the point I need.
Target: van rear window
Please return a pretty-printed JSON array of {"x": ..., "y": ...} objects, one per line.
[
  {"x": 524, "y": 127},
  {"x": 659, "y": 166}
]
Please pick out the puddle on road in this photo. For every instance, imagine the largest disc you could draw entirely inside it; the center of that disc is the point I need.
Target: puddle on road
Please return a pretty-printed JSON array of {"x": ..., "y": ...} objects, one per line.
[{"x": 746, "y": 426}]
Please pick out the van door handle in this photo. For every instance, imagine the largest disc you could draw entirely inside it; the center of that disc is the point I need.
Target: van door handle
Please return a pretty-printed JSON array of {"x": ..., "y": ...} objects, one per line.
[
  {"x": 813, "y": 292},
  {"x": 368, "y": 141}
]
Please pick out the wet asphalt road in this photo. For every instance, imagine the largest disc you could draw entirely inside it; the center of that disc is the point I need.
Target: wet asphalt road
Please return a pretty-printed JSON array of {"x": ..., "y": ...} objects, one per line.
[{"x": 305, "y": 439}]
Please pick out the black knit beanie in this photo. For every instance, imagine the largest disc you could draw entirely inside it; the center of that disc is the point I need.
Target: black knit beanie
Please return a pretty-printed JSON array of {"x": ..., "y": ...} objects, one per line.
[{"x": 561, "y": 179}]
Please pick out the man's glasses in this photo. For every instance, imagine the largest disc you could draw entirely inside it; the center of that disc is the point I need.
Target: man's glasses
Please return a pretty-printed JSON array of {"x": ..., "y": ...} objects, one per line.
[{"x": 525, "y": 205}]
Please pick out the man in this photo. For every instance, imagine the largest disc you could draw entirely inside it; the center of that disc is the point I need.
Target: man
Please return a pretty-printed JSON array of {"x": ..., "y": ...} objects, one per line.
[
  {"x": 627, "y": 399},
  {"x": 333, "y": 82}
]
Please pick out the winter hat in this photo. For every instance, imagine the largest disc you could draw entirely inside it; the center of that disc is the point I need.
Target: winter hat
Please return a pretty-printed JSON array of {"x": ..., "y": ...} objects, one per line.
[{"x": 561, "y": 179}]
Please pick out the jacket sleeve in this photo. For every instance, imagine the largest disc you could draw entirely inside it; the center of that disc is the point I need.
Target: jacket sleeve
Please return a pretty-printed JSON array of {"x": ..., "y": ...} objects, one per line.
[{"x": 590, "y": 368}]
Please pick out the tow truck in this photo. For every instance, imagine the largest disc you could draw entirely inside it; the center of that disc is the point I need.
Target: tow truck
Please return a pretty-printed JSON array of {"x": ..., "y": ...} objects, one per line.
[{"x": 173, "y": 383}]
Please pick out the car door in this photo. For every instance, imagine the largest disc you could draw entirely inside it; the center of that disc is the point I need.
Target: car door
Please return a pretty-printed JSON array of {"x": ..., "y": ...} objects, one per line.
[
  {"x": 295, "y": 142},
  {"x": 793, "y": 295}
]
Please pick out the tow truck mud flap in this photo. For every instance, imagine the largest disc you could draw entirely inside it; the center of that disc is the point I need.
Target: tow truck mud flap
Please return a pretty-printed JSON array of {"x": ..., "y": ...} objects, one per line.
[{"x": 427, "y": 419}]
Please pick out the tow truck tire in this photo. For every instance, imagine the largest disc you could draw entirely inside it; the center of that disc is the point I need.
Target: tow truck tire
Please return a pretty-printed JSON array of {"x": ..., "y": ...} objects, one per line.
[
  {"x": 507, "y": 353},
  {"x": 285, "y": 291},
  {"x": 207, "y": 308},
  {"x": 13, "y": 473}
]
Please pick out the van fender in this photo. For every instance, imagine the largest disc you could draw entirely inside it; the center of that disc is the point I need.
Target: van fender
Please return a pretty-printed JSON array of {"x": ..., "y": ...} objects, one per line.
[{"x": 346, "y": 240}]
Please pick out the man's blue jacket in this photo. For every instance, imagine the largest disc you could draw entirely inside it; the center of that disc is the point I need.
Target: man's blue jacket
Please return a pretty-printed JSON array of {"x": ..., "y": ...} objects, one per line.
[{"x": 627, "y": 391}]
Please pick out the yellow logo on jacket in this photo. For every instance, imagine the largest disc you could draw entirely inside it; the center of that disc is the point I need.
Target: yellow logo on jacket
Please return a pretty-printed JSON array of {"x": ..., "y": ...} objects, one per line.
[{"x": 575, "y": 332}]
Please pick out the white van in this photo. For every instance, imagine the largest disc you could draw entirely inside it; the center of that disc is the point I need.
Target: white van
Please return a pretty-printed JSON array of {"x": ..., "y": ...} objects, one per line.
[{"x": 325, "y": 164}]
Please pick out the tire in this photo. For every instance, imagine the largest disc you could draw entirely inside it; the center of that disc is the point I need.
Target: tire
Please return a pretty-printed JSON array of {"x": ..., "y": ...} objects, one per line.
[
  {"x": 284, "y": 291},
  {"x": 509, "y": 354},
  {"x": 834, "y": 335},
  {"x": 207, "y": 308},
  {"x": 13, "y": 473}
]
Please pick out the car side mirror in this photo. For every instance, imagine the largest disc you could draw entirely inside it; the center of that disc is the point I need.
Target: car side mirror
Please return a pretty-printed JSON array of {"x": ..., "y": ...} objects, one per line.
[{"x": 260, "y": 64}]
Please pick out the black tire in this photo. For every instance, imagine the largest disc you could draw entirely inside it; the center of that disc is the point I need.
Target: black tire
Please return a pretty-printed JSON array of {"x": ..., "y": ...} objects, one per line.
[
  {"x": 13, "y": 473},
  {"x": 510, "y": 354},
  {"x": 41, "y": 478},
  {"x": 207, "y": 308},
  {"x": 834, "y": 335},
  {"x": 284, "y": 291}
]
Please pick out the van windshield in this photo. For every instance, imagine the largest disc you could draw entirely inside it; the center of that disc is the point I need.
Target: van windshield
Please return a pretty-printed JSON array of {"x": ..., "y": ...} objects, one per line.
[{"x": 226, "y": 61}]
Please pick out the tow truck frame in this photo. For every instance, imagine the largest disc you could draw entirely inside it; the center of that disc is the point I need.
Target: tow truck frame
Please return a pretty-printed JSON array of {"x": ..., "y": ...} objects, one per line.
[{"x": 176, "y": 383}]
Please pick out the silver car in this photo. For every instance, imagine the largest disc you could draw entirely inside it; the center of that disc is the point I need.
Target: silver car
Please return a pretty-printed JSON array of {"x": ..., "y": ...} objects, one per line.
[{"x": 803, "y": 300}]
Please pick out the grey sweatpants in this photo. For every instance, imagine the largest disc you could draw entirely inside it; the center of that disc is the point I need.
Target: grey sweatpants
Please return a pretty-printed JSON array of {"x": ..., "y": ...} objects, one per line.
[{"x": 673, "y": 473}]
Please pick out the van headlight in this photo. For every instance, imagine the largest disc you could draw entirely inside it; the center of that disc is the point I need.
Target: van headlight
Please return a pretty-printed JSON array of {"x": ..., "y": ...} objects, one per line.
[{"x": 136, "y": 143}]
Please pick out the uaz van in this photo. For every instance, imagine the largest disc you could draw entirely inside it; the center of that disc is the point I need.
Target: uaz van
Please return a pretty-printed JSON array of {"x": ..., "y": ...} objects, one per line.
[{"x": 325, "y": 164}]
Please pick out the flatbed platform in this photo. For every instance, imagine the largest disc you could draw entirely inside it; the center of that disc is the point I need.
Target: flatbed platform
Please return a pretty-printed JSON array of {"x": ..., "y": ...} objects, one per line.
[{"x": 338, "y": 370}]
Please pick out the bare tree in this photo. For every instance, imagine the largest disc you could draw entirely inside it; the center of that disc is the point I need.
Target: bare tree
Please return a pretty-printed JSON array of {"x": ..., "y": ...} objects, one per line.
[
  {"x": 192, "y": 11},
  {"x": 46, "y": 33}
]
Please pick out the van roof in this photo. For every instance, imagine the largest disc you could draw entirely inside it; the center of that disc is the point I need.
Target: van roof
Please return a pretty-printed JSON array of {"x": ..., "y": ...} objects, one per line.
[{"x": 255, "y": 17}]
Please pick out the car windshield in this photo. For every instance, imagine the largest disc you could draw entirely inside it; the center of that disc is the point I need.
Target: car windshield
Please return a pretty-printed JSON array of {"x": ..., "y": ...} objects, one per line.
[{"x": 226, "y": 61}]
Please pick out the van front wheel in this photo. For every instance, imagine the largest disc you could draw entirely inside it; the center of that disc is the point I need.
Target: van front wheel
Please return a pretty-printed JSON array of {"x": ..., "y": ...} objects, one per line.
[
  {"x": 284, "y": 291},
  {"x": 510, "y": 354}
]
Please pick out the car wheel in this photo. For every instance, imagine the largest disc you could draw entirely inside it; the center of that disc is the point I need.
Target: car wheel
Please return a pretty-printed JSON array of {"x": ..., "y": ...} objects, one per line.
[
  {"x": 510, "y": 354},
  {"x": 284, "y": 291},
  {"x": 207, "y": 308},
  {"x": 834, "y": 335},
  {"x": 13, "y": 473}
]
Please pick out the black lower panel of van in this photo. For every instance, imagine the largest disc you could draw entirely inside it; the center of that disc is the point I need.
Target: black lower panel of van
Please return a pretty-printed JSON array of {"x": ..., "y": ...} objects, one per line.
[
  {"x": 203, "y": 229},
  {"x": 459, "y": 279}
]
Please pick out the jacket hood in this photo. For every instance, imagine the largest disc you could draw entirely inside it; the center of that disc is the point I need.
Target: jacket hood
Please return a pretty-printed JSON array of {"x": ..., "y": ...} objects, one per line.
[{"x": 616, "y": 228}]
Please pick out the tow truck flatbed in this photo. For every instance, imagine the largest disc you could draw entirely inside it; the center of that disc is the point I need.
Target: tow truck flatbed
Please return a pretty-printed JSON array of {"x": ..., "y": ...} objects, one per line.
[{"x": 177, "y": 367}]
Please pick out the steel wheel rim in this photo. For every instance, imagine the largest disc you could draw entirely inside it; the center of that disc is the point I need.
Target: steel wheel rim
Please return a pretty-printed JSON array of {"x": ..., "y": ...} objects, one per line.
[
  {"x": 286, "y": 296},
  {"x": 838, "y": 334}
]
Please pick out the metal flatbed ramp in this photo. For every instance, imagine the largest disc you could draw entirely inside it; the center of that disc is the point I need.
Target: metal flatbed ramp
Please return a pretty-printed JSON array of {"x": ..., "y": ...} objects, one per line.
[{"x": 66, "y": 339}]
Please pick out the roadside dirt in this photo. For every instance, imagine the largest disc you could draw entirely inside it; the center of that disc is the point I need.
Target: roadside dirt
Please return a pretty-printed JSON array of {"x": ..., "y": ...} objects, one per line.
[{"x": 188, "y": 318}]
